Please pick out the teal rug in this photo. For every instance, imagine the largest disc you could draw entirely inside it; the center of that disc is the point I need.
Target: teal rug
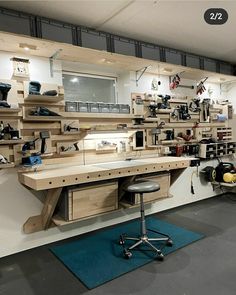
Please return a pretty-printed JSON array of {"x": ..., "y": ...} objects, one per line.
[{"x": 98, "y": 258}]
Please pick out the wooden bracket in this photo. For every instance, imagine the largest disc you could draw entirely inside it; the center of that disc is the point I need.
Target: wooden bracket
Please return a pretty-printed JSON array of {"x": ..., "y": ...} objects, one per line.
[
  {"x": 51, "y": 60},
  {"x": 43, "y": 221}
]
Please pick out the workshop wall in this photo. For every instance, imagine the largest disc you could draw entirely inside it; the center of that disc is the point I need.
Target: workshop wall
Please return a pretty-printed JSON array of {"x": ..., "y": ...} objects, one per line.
[{"x": 18, "y": 203}]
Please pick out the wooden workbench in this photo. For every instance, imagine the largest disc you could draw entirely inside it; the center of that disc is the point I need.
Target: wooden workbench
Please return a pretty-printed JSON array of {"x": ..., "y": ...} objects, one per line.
[{"x": 53, "y": 180}]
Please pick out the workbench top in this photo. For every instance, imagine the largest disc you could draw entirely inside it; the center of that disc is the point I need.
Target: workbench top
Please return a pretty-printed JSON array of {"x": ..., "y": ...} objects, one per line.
[{"x": 72, "y": 175}]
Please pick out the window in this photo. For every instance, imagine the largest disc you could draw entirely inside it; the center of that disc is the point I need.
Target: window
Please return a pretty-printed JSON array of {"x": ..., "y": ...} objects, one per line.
[{"x": 81, "y": 87}]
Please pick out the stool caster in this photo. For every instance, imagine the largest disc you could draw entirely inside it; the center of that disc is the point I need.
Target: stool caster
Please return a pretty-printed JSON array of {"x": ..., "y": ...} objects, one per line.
[
  {"x": 127, "y": 254},
  {"x": 160, "y": 257},
  {"x": 122, "y": 241},
  {"x": 169, "y": 243}
]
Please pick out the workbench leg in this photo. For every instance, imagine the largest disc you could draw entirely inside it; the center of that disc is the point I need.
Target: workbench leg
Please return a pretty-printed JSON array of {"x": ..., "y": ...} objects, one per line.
[{"x": 43, "y": 221}]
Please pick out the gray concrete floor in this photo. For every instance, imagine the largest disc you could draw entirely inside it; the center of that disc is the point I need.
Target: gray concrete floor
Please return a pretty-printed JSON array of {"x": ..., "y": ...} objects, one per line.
[{"x": 205, "y": 267}]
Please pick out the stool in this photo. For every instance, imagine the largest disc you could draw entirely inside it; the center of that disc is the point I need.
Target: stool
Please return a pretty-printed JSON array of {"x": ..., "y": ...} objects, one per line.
[{"x": 140, "y": 187}]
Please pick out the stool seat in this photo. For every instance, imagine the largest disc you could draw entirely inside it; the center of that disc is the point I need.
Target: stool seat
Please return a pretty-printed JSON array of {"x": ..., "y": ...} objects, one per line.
[{"x": 143, "y": 186}]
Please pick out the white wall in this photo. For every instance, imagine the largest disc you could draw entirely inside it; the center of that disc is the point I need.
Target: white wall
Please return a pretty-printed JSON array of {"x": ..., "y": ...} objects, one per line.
[
  {"x": 18, "y": 203},
  {"x": 231, "y": 93},
  {"x": 39, "y": 68}
]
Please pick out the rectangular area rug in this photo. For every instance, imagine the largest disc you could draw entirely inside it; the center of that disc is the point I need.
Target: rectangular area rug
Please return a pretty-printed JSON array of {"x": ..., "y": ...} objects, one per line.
[{"x": 98, "y": 258}]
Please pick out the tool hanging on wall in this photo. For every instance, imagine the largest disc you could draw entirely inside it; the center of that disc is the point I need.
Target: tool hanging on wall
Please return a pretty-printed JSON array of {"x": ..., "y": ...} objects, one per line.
[
  {"x": 44, "y": 135},
  {"x": 183, "y": 112},
  {"x": 175, "y": 113},
  {"x": 28, "y": 146},
  {"x": 194, "y": 105},
  {"x": 69, "y": 128},
  {"x": 8, "y": 132},
  {"x": 200, "y": 87},
  {"x": 50, "y": 93},
  {"x": 186, "y": 136},
  {"x": 165, "y": 102},
  {"x": 155, "y": 133},
  {"x": 153, "y": 108},
  {"x": 74, "y": 146},
  {"x": 3, "y": 160},
  {"x": 138, "y": 106},
  {"x": 175, "y": 82},
  {"x": 206, "y": 108},
  {"x": 4, "y": 89},
  {"x": 154, "y": 85},
  {"x": 170, "y": 135},
  {"x": 35, "y": 87}
]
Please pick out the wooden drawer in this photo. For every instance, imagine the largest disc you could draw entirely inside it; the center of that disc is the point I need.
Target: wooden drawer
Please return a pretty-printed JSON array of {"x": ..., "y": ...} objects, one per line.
[
  {"x": 92, "y": 199},
  {"x": 162, "y": 179}
]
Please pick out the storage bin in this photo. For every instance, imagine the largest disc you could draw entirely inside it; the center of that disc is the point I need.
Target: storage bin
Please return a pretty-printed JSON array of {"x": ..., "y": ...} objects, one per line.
[
  {"x": 83, "y": 107},
  {"x": 103, "y": 108},
  {"x": 71, "y": 106},
  {"x": 93, "y": 107},
  {"x": 124, "y": 108},
  {"x": 114, "y": 108}
]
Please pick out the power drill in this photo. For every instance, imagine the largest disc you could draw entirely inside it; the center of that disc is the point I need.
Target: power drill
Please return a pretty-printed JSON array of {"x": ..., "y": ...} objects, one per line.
[
  {"x": 4, "y": 89},
  {"x": 165, "y": 102}
]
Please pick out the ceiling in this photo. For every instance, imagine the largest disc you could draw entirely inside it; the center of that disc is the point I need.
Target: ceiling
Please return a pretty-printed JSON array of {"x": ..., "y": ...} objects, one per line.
[{"x": 172, "y": 23}]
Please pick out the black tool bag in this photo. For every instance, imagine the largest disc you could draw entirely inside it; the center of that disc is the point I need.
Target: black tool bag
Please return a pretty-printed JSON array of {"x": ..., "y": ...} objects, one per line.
[
  {"x": 4, "y": 104},
  {"x": 34, "y": 87},
  {"x": 50, "y": 93},
  {"x": 223, "y": 168}
]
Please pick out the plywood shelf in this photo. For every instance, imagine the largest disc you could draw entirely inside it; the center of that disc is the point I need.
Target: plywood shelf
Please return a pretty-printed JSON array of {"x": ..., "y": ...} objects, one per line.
[
  {"x": 12, "y": 141},
  {"x": 9, "y": 110},
  {"x": 69, "y": 153},
  {"x": 44, "y": 98},
  {"x": 43, "y": 118},
  {"x": 96, "y": 115},
  {"x": 178, "y": 100},
  {"x": 8, "y": 165},
  {"x": 59, "y": 221},
  {"x": 164, "y": 111}
]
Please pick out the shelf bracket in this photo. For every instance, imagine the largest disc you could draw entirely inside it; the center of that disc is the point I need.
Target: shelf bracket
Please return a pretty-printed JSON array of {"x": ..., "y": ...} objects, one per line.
[
  {"x": 51, "y": 61},
  {"x": 138, "y": 76}
]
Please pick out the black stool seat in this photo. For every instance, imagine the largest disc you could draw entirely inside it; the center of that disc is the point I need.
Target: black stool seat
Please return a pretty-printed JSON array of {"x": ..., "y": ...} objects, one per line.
[
  {"x": 140, "y": 187},
  {"x": 143, "y": 186}
]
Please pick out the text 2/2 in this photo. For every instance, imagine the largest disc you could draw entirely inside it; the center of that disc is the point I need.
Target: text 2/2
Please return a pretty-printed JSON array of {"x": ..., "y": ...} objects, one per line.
[{"x": 216, "y": 16}]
